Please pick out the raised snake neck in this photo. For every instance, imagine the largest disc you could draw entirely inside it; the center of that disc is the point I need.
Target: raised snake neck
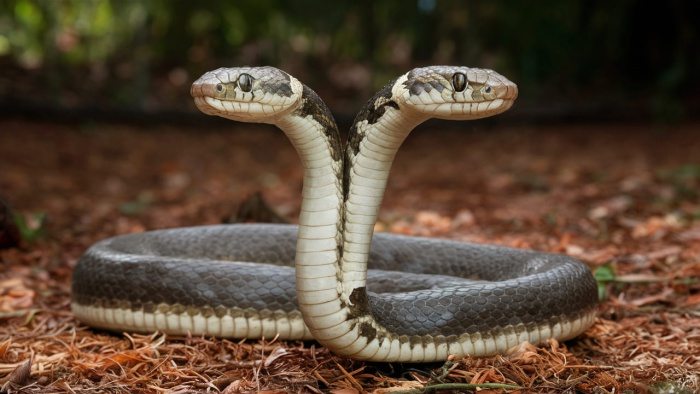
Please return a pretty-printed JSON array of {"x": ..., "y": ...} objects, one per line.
[{"x": 403, "y": 317}]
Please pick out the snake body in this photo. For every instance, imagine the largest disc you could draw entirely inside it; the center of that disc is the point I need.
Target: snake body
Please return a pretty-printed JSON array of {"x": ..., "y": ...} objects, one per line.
[{"x": 423, "y": 300}]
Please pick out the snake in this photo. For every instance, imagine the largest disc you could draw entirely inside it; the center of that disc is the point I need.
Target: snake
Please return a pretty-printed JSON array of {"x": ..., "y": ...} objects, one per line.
[{"x": 423, "y": 299}]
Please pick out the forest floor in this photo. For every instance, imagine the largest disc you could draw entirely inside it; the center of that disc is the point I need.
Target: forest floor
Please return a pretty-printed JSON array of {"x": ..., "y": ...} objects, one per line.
[{"x": 625, "y": 199}]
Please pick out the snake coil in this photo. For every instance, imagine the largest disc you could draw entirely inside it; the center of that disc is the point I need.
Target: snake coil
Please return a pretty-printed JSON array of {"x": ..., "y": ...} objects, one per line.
[{"x": 423, "y": 300}]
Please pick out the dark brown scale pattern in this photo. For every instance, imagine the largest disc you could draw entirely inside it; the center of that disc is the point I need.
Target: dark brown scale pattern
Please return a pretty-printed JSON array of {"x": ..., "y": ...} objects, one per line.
[
  {"x": 371, "y": 112},
  {"x": 280, "y": 87},
  {"x": 421, "y": 80},
  {"x": 314, "y": 106}
]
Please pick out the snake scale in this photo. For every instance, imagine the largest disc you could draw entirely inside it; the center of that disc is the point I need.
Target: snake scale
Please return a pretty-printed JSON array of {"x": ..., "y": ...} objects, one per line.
[{"x": 423, "y": 300}]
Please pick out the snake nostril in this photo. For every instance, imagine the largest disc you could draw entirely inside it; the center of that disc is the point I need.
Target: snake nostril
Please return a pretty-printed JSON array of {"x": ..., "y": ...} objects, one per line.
[{"x": 219, "y": 87}]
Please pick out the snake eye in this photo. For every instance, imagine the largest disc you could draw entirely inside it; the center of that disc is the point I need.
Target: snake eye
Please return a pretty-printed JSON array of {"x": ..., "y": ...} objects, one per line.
[
  {"x": 459, "y": 81},
  {"x": 219, "y": 87},
  {"x": 245, "y": 82}
]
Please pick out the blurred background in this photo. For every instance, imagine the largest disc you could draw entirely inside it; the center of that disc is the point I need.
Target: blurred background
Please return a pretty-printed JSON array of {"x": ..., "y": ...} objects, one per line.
[{"x": 573, "y": 60}]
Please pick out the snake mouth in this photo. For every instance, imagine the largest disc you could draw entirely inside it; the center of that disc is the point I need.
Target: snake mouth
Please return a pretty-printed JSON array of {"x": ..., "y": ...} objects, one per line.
[
  {"x": 242, "y": 111},
  {"x": 466, "y": 111}
]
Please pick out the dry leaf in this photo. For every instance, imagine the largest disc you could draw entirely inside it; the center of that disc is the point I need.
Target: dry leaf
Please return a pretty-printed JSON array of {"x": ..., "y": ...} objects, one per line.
[
  {"x": 4, "y": 347},
  {"x": 277, "y": 353},
  {"x": 15, "y": 295},
  {"x": 18, "y": 376}
]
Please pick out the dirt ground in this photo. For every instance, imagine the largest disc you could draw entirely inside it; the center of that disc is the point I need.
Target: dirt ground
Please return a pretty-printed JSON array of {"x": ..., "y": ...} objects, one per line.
[{"x": 623, "y": 198}]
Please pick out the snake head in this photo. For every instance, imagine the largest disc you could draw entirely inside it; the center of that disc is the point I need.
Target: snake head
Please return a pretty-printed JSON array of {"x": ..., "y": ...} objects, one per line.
[
  {"x": 247, "y": 94},
  {"x": 455, "y": 92}
]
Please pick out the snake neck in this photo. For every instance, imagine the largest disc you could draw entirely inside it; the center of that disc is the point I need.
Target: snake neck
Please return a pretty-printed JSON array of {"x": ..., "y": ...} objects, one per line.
[
  {"x": 314, "y": 134},
  {"x": 374, "y": 139},
  {"x": 341, "y": 200}
]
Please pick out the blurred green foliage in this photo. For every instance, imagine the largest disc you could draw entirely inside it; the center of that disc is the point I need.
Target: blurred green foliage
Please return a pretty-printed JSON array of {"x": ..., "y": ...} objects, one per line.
[
  {"x": 627, "y": 50},
  {"x": 31, "y": 227}
]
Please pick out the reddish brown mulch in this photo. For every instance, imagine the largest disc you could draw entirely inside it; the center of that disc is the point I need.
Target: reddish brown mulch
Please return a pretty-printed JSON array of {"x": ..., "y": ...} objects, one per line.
[{"x": 625, "y": 199}]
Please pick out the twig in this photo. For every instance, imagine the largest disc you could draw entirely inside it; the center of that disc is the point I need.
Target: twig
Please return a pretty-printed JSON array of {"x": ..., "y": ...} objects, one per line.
[
  {"x": 588, "y": 367},
  {"x": 350, "y": 376},
  {"x": 459, "y": 386}
]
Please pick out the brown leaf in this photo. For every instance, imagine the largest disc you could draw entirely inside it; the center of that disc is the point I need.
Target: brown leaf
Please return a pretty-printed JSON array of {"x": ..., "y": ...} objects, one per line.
[
  {"x": 19, "y": 375},
  {"x": 525, "y": 353},
  {"x": 433, "y": 221},
  {"x": 692, "y": 300},
  {"x": 690, "y": 235},
  {"x": 128, "y": 357},
  {"x": 238, "y": 386},
  {"x": 14, "y": 295},
  {"x": 277, "y": 353},
  {"x": 665, "y": 252},
  {"x": 663, "y": 296},
  {"x": 610, "y": 207},
  {"x": 4, "y": 347}
]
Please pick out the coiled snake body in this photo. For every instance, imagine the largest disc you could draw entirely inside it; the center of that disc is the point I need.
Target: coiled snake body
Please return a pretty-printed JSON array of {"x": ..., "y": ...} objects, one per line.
[{"x": 423, "y": 300}]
